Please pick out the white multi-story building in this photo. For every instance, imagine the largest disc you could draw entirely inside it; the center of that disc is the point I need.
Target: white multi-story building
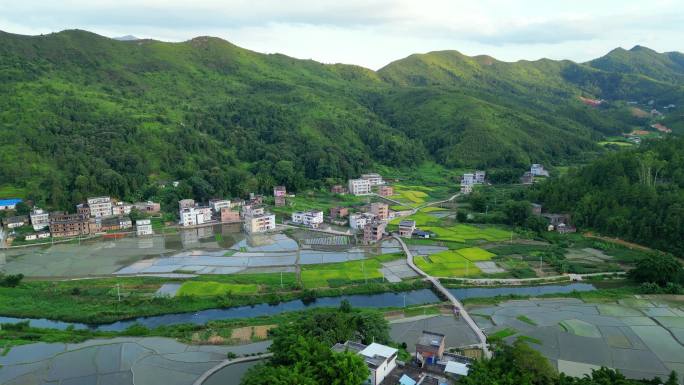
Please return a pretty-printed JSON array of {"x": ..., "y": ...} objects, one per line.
[
  {"x": 205, "y": 212},
  {"x": 308, "y": 218},
  {"x": 121, "y": 208},
  {"x": 480, "y": 177},
  {"x": 218, "y": 204},
  {"x": 259, "y": 223},
  {"x": 373, "y": 178},
  {"x": 380, "y": 359},
  {"x": 359, "y": 186},
  {"x": 359, "y": 220},
  {"x": 468, "y": 179},
  {"x": 143, "y": 227},
  {"x": 40, "y": 219},
  {"x": 538, "y": 170},
  {"x": 100, "y": 207},
  {"x": 190, "y": 217}
]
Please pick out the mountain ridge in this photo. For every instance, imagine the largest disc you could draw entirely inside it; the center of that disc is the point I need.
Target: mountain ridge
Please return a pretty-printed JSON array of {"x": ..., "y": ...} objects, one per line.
[{"x": 93, "y": 115}]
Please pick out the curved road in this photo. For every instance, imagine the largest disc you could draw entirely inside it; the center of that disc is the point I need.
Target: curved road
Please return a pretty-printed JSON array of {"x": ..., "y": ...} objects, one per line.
[{"x": 455, "y": 302}]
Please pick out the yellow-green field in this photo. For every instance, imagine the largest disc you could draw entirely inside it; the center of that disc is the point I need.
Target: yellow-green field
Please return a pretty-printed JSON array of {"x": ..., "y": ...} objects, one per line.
[
  {"x": 622, "y": 144},
  {"x": 201, "y": 288},
  {"x": 337, "y": 274},
  {"x": 411, "y": 195},
  {"x": 453, "y": 263},
  {"x": 463, "y": 233},
  {"x": 422, "y": 217}
]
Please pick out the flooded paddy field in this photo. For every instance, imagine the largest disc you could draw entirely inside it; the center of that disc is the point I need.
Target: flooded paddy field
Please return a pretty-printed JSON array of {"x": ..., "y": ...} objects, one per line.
[
  {"x": 221, "y": 249},
  {"x": 120, "y": 361},
  {"x": 639, "y": 337}
]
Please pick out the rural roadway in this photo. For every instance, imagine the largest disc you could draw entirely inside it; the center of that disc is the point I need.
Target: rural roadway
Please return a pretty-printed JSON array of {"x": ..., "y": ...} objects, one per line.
[{"x": 455, "y": 302}]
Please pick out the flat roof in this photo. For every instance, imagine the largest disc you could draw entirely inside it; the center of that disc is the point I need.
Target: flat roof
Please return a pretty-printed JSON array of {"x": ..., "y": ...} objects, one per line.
[
  {"x": 376, "y": 349},
  {"x": 456, "y": 368},
  {"x": 430, "y": 339},
  {"x": 10, "y": 202}
]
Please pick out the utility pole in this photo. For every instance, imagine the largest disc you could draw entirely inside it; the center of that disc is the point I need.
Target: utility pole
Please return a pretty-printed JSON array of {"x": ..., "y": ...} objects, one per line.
[
  {"x": 364, "y": 272},
  {"x": 118, "y": 291},
  {"x": 281, "y": 279},
  {"x": 466, "y": 268},
  {"x": 404, "y": 300}
]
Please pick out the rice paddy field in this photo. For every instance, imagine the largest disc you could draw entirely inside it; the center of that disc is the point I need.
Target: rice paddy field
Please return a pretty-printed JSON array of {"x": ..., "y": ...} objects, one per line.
[
  {"x": 453, "y": 263},
  {"x": 464, "y": 233},
  {"x": 639, "y": 336},
  {"x": 338, "y": 274}
]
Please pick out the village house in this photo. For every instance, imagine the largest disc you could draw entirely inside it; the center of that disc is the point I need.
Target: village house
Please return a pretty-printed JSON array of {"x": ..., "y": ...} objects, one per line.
[
  {"x": 279, "y": 194},
  {"x": 218, "y": 204},
  {"x": 110, "y": 224},
  {"x": 83, "y": 209},
  {"x": 229, "y": 215},
  {"x": 186, "y": 203},
  {"x": 338, "y": 189},
  {"x": 359, "y": 186},
  {"x": 14, "y": 222},
  {"x": 188, "y": 217},
  {"x": 380, "y": 359},
  {"x": 536, "y": 208},
  {"x": 256, "y": 199},
  {"x": 527, "y": 178},
  {"x": 538, "y": 170},
  {"x": 466, "y": 189},
  {"x": 358, "y": 221},
  {"x": 147, "y": 207},
  {"x": 311, "y": 219},
  {"x": 40, "y": 219},
  {"x": 339, "y": 212},
  {"x": 406, "y": 228},
  {"x": 385, "y": 191},
  {"x": 373, "y": 231},
  {"x": 68, "y": 225},
  {"x": 143, "y": 227},
  {"x": 380, "y": 210},
  {"x": 480, "y": 177},
  {"x": 31, "y": 237},
  {"x": 373, "y": 178},
  {"x": 100, "y": 206},
  {"x": 121, "y": 208},
  {"x": 259, "y": 223},
  {"x": 430, "y": 348},
  {"x": 9, "y": 204}
]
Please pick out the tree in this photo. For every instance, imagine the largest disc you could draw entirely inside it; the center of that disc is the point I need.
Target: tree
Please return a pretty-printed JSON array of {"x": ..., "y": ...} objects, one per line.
[
  {"x": 22, "y": 208},
  {"x": 657, "y": 268},
  {"x": 517, "y": 212}
]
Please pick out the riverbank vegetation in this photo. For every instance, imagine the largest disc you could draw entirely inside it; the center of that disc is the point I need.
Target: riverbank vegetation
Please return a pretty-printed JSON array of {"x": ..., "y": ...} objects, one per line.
[{"x": 96, "y": 301}]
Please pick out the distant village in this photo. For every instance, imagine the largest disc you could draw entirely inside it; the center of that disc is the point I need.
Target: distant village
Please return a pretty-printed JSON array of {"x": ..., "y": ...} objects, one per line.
[{"x": 105, "y": 215}]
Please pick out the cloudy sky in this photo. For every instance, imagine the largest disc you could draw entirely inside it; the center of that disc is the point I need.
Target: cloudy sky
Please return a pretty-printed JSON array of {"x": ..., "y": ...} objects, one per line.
[{"x": 373, "y": 33}]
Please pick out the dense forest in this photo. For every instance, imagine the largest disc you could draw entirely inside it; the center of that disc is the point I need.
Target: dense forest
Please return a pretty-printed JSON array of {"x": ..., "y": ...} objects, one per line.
[
  {"x": 82, "y": 114},
  {"x": 636, "y": 194}
]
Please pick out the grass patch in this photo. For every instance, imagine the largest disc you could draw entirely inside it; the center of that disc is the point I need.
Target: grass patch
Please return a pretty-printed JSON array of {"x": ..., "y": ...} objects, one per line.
[
  {"x": 530, "y": 339},
  {"x": 526, "y": 320},
  {"x": 422, "y": 310},
  {"x": 200, "y": 288},
  {"x": 501, "y": 334}
]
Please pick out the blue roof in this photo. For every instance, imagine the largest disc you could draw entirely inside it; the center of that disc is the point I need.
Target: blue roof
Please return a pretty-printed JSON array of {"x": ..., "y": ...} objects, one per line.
[
  {"x": 9, "y": 202},
  {"x": 406, "y": 380}
]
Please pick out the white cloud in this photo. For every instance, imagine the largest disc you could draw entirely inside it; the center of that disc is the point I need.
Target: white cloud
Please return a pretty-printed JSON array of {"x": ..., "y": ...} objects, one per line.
[{"x": 373, "y": 32}]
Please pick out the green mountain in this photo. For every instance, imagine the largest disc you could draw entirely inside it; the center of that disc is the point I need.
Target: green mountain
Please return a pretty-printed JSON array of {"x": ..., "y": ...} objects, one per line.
[
  {"x": 81, "y": 114},
  {"x": 667, "y": 67}
]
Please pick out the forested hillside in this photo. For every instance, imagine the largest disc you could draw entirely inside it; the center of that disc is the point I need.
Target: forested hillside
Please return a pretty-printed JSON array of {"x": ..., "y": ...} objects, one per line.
[
  {"x": 636, "y": 194},
  {"x": 81, "y": 114}
]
